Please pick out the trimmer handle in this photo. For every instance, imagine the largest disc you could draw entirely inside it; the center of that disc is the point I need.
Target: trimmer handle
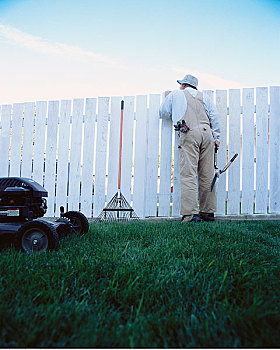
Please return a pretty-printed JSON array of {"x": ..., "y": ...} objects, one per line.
[
  {"x": 215, "y": 156},
  {"x": 229, "y": 163},
  {"x": 232, "y": 159}
]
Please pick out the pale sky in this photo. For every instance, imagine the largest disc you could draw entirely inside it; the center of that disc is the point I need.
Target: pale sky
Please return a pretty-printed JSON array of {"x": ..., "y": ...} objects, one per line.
[{"x": 65, "y": 49}]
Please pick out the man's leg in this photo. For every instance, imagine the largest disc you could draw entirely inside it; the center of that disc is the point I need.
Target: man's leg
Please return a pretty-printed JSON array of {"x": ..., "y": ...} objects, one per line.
[
  {"x": 189, "y": 155},
  {"x": 207, "y": 199}
]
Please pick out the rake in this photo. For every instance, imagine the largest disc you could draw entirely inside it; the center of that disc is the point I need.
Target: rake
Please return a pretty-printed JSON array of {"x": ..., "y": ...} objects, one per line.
[{"x": 118, "y": 209}]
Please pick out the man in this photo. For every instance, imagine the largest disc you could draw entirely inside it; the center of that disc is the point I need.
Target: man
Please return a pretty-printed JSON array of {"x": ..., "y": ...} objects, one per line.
[{"x": 199, "y": 132}]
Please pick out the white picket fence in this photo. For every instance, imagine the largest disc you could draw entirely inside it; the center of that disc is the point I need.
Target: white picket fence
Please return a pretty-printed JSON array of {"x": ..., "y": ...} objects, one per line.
[{"x": 72, "y": 149}]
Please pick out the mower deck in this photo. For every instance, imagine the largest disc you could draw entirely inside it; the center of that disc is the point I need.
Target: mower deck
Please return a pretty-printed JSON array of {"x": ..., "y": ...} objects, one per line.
[{"x": 22, "y": 203}]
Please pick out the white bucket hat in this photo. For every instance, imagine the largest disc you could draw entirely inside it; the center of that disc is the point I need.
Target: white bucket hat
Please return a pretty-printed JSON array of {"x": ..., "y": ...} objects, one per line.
[{"x": 190, "y": 80}]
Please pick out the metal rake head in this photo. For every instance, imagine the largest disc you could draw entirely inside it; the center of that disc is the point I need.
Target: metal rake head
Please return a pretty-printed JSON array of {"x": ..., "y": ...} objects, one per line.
[{"x": 118, "y": 209}]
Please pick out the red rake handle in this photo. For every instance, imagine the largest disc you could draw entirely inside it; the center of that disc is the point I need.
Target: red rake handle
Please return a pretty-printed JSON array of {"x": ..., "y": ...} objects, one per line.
[{"x": 120, "y": 152}]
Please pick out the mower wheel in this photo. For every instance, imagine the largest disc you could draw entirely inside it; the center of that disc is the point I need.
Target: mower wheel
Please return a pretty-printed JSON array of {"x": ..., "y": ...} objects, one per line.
[
  {"x": 37, "y": 236},
  {"x": 78, "y": 220}
]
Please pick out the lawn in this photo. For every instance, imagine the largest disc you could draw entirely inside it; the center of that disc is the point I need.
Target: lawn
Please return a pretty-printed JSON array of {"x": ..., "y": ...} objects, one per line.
[{"x": 147, "y": 285}]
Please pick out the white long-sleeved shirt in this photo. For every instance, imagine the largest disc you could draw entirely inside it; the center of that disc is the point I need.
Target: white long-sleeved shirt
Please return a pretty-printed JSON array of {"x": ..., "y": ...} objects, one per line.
[{"x": 175, "y": 106}]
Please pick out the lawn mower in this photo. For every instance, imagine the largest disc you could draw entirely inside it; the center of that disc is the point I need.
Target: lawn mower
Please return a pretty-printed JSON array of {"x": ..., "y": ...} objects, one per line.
[{"x": 22, "y": 202}]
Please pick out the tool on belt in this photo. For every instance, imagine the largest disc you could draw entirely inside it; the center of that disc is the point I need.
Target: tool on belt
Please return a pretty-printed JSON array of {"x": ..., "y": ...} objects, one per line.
[
  {"x": 218, "y": 172},
  {"x": 182, "y": 127}
]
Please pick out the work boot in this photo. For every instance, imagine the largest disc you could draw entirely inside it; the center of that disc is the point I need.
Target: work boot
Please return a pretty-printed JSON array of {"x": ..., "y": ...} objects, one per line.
[
  {"x": 207, "y": 216},
  {"x": 188, "y": 218}
]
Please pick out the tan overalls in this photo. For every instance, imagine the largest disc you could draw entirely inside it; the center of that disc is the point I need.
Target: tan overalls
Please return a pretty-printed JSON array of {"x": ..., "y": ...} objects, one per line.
[{"x": 196, "y": 151}]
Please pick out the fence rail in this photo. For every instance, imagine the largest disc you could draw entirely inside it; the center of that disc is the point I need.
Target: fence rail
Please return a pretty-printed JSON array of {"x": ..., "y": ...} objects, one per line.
[{"x": 71, "y": 147}]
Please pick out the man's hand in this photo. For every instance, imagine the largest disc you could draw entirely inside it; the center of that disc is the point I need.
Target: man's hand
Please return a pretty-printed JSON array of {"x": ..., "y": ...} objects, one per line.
[
  {"x": 166, "y": 93},
  {"x": 217, "y": 142}
]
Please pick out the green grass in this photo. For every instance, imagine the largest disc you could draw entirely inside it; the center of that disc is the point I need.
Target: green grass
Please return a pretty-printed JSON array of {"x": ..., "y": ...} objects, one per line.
[{"x": 146, "y": 285}]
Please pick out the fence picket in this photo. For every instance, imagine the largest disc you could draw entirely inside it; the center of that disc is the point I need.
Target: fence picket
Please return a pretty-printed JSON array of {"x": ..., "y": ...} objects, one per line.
[
  {"x": 50, "y": 162},
  {"x": 75, "y": 155},
  {"x": 88, "y": 155},
  {"x": 165, "y": 168},
  {"x": 210, "y": 95},
  {"x": 274, "y": 192},
  {"x": 63, "y": 155},
  {"x": 113, "y": 165},
  {"x": 234, "y": 147},
  {"x": 140, "y": 156},
  {"x": 16, "y": 139},
  {"x": 261, "y": 150},
  {"x": 248, "y": 139},
  {"x": 152, "y": 156},
  {"x": 176, "y": 195},
  {"x": 5, "y": 139},
  {"x": 221, "y": 103},
  {"x": 27, "y": 143},
  {"x": 39, "y": 141},
  {"x": 101, "y": 151}
]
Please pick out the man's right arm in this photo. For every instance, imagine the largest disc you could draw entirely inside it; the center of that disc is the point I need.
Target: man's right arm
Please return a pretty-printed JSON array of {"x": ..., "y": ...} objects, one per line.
[{"x": 165, "y": 110}]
